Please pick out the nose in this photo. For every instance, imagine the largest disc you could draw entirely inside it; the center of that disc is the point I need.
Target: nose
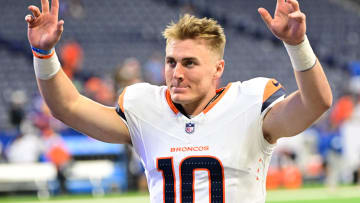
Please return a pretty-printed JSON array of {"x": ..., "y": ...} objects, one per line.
[{"x": 179, "y": 72}]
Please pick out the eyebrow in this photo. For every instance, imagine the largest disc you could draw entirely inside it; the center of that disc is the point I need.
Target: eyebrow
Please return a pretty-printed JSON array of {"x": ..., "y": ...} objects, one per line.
[
  {"x": 190, "y": 59},
  {"x": 169, "y": 57},
  {"x": 183, "y": 59}
]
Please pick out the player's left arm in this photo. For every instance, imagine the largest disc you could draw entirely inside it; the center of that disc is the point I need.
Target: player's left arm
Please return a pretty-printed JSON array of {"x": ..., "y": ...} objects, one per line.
[{"x": 313, "y": 97}]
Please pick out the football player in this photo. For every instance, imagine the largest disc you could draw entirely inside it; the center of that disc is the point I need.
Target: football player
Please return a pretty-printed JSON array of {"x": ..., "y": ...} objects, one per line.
[{"x": 197, "y": 143}]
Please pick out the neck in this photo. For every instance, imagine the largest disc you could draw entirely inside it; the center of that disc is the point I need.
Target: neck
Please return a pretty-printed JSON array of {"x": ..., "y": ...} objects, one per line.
[{"x": 196, "y": 108}]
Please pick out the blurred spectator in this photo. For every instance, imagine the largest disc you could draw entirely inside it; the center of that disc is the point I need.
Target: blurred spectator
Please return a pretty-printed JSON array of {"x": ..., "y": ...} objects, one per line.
[
  {"x": 76, "y": 9},
  {"x": 41, "y": 117},
  {"x": 71, "y": 57},
  {"x": 27, "y": 146},
  {"x": 127, "y": 74},
  {"x": 330, "y": 141},
  {"x": 57, "y": 153},
  {"x": 154, "y": 69},
  {"x": 331, "y": 147},
  {"x": 73, "y": 8},
  {"x": 188, "y": 7},
  {"x": 18, "y": 100},
  {"x": 99, "y": 90},
  {"x": 342, "y": 110}
]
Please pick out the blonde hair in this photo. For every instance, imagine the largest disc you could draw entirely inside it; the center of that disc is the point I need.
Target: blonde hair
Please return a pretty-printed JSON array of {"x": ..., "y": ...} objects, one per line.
[{"x": 190, "y": 27}]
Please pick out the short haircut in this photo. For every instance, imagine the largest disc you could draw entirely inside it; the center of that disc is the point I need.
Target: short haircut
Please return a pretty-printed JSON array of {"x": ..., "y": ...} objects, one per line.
[{"x": 191, "y": 27}]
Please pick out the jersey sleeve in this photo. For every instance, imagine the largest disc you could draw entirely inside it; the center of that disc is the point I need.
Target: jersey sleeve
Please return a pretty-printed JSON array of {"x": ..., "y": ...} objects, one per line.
[
  {"x": 265, "y": 93},
  {"x": 272, "y": 94},
  {"x": 127, "y": 102},
  {"x": 120, "y": 106},
  {"x": 133, "y": 105}
]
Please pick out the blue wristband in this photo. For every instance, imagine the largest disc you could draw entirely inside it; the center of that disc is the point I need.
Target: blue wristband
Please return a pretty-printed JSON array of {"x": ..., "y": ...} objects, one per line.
[{"x": 41, "y": 51}]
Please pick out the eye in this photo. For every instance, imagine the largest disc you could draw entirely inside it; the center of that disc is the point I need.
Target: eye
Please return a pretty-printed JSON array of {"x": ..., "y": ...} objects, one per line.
[
  {"x": 189, "y": 63},
  {"x": 171, "y": 62}
]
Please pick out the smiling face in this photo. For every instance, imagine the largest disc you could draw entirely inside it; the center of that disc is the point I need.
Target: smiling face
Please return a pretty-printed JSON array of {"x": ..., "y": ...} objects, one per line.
[{"x": 192, "y": 70}]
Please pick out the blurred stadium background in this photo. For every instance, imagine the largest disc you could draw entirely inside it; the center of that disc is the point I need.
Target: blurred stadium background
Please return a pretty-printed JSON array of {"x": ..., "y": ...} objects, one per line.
[{"x": 110, "y": 44}]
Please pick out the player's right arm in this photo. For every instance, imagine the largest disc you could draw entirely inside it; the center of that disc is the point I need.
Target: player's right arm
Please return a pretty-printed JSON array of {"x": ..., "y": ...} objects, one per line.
[{"x": 65, "y": 102}]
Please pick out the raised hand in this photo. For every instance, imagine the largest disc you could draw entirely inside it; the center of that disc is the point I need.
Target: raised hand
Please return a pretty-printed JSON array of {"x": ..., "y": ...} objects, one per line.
[
  {"x": 288, "y": 24},
  {"x": 44, "y": 29}
]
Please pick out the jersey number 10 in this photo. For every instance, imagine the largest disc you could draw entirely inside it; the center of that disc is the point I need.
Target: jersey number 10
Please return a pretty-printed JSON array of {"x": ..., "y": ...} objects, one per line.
[{"x": 187, "y": 168}]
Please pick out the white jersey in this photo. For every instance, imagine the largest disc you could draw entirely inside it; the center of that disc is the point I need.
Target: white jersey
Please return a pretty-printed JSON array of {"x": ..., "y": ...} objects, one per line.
[{"x": 217, "y": 156}]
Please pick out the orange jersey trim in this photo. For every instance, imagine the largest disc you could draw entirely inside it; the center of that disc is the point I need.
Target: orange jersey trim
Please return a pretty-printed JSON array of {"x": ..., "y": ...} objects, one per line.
[
  {"x": 271, "y": 87},
  {"x": 207, "y": 109},
  {"x": 121, "y": 100},
  {"x": 169, "y": 101}
]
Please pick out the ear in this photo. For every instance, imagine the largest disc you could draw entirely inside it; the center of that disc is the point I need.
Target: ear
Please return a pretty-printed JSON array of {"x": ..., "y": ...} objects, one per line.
[{"x": 220, "y": 65}]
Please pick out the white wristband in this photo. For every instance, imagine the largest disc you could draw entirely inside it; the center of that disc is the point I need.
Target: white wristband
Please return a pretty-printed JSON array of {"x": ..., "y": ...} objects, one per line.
[
  {"x": 45, "y": 69},
  {"x": 302, "y": 56}
]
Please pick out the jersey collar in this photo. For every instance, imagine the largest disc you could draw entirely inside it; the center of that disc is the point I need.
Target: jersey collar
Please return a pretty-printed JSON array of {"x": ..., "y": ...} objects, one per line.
[{"x": 172, "y": 106}]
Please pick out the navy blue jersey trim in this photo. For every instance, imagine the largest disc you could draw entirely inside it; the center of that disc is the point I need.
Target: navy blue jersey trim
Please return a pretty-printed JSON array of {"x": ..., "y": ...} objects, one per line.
[
  {"x": 279, "y": 93},
  {"x": 120, "y": 112},
  {"x": 181, "y": 109}
]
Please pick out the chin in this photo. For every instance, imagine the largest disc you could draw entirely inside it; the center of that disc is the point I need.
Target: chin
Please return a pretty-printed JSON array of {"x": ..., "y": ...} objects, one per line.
[{"x": 179, "y": 99}]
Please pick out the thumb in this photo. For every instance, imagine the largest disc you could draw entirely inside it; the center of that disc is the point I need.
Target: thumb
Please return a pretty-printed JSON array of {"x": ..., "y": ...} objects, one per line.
[
  {"x": 29, "y": 19},
  {"x": 265, "y": 15}
]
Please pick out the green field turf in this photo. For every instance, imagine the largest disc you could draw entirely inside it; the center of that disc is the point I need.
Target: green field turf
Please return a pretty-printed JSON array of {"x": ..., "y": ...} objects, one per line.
[
  {"x": 309, "y": 195},
  {"x": 315, "y": 195}
]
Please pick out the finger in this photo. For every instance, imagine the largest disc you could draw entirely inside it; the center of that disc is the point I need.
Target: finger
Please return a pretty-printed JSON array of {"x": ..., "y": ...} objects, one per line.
[
  {"x": 295, "y": 4},
  {"x": 60, "y": 27},
  {"x": 298, "y": 16},
  {"x": 45, "y": 6},
  {"x": 265, "y": 15},
  {"x": 280, "y": 1},
  {"x": 34, "y": 10},
  {"x": 29, "y": 18},
  {"x": 55, "y": 7}
]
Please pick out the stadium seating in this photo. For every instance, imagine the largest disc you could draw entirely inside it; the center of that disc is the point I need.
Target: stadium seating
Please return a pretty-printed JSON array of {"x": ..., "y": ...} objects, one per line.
[
  {"x": 114, "y": 30},
  {"x": 27, "y": 177}
]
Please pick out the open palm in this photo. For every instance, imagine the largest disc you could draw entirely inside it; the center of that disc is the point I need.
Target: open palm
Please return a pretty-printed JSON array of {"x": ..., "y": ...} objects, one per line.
[
  {"x": 44, "y": 29},
  {"x": 288, "y": 24}
]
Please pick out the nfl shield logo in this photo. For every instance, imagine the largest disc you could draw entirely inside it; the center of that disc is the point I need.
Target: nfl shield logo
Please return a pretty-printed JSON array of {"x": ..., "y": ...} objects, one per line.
[{"x": 189, "y": 128}]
